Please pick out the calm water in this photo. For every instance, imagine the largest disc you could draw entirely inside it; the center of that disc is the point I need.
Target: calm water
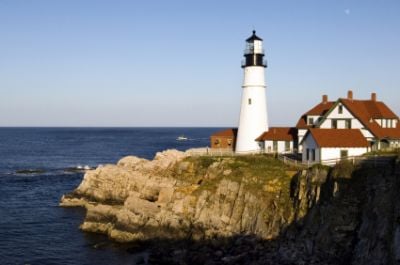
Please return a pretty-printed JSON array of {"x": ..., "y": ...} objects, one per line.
[{"x": 33, "y": 229}]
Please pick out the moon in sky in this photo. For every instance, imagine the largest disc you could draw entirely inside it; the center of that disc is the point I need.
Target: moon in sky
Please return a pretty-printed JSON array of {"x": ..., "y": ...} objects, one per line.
[{"x": 347, "y": 11}]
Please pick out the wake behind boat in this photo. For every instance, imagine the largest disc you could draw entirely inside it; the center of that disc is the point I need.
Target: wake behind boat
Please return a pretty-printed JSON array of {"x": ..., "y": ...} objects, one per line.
[{"x": 182, "y": 138}]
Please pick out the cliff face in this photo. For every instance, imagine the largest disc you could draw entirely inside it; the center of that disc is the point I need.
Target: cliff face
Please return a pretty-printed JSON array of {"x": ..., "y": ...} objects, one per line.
[
  {"x": 174, "y": 196},
  {"x": 311, "y": 216}
]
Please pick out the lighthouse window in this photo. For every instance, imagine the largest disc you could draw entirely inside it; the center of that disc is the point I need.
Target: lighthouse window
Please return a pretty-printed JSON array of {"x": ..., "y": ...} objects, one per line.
[{"x": 249, "y": 101}]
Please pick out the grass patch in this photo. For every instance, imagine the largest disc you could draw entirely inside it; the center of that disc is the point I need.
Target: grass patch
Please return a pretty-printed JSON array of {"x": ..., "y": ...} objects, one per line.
[
  {"x": 344, "y": 169},
  {"x": 320, "y": 167},
  {"x": 261, "y": 174},
  {"x": 388, "y": 152}
]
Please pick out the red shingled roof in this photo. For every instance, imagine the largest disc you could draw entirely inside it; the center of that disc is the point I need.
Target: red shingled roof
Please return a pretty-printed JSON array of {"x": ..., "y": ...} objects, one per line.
[
  {"x": 279, "y": 134},
  {"x": 338, "y": 137},
  {"x": 364, "y": 110},
  {"x": 318, "y": 110},
  {"x": 232, "y": 132},
  {"x": 369, "y": 110}
]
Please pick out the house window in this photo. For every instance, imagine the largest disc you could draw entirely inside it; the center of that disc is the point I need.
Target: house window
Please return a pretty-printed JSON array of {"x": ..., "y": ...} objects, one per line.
[
  {"x": 344, "y": 153},
  {"x": 313, "y": 154},
  {"x": 310, "y": 121},
  {"x": 308, "y": 154},
  {"x": 340, "y": 110},
  {"x": 391, "y": 124},
  {"x": 275, "y": 146},
  {"x": 334, "y": 124},
  {"x": 229, "y": 141},
  {"x": 249, "y": 100},
  {"x": 384, "y": 124},
  {"x": 287, "y": 146},
  {"x": 348, "y": 124}
]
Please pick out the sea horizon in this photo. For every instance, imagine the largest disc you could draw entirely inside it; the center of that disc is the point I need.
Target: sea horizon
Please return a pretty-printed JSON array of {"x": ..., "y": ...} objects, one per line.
[{"x": 40, "y": 164}]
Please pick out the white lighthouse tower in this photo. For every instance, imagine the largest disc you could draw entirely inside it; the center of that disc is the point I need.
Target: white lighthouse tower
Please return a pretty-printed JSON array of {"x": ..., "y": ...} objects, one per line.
[{"x": 253, "y": 111}]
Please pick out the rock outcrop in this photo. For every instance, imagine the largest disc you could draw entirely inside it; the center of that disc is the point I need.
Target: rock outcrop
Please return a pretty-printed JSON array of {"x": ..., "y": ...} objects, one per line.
[
  {"x": 246, "y": 209},
  {"x": 174, "y": 196}
]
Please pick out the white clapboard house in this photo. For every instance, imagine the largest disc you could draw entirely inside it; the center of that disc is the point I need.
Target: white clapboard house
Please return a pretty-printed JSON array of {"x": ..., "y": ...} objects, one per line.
[{"x": 336, "y": 129}]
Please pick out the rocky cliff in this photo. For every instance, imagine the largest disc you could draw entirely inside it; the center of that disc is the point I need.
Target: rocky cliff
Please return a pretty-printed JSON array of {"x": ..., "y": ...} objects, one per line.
[{"x": 247, "y": 209}]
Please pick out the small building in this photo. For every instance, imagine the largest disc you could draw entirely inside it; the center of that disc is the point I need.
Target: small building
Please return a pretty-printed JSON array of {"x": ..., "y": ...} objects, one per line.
[
  {"x": 377, "y": 122},
  {"x": 325, "y": 145},
  {"x": 311, "y": 118},
  {"x": 279, "y": 140},
  {"x": 225, "y": 139}
]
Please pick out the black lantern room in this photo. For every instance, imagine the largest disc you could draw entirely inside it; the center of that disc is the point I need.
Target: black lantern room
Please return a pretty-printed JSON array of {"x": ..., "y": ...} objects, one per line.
[{"x": 254, "y": 54}]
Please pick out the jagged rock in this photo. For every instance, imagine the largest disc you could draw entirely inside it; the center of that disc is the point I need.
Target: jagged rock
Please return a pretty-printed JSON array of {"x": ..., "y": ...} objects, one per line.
[
  {"x": 312, "y": 217},
  {"x": 143, "y": 194},
  {"x": 131, "y": 162}
]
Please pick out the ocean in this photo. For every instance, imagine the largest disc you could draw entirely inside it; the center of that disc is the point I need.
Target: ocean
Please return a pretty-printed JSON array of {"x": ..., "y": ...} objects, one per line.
[{"x": 39, "y": 165}]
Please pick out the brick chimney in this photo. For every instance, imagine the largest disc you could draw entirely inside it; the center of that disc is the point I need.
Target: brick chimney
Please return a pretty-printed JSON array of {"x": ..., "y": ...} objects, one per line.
[
  {"x": 373, "y": 96},
  {"x": 350, "y": 95},
  {"x": 324, "y": 99}
]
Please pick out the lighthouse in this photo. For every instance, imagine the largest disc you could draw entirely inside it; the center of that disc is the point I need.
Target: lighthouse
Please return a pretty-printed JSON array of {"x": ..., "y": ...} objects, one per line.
[{"x": 253, "y": 119}]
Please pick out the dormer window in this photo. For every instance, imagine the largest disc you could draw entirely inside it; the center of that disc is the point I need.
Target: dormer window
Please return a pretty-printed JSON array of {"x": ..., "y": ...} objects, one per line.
[
  {"x": 310, "y": 121},
  {"x": 340, "y": 109}
]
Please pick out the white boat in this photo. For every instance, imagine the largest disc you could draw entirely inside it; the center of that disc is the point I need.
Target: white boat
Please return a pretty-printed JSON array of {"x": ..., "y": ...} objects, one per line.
[{"x": 182, "y": 138}]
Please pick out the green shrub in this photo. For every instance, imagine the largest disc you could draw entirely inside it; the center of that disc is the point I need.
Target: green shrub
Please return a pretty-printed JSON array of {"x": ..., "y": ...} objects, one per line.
[{"x": 343, "y": 169}]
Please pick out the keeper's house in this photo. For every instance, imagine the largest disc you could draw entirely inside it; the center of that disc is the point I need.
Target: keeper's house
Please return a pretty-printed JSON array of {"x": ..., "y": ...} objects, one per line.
[
  {"x": 330, "y": 144},
  {"x": 347, "y": 127},
  {"x": 330, "y": 130}
]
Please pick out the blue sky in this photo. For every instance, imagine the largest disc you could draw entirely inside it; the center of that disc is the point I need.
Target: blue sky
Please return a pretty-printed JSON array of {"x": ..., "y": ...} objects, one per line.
[{"x": 177, "y": 63}]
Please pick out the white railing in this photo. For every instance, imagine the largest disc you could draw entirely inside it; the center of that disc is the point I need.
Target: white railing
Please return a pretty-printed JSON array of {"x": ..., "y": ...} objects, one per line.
[
  {"x": 206, "y": 151},
  {"x": 290, "y": 161},
  {"x": 374, "y": 160}
]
